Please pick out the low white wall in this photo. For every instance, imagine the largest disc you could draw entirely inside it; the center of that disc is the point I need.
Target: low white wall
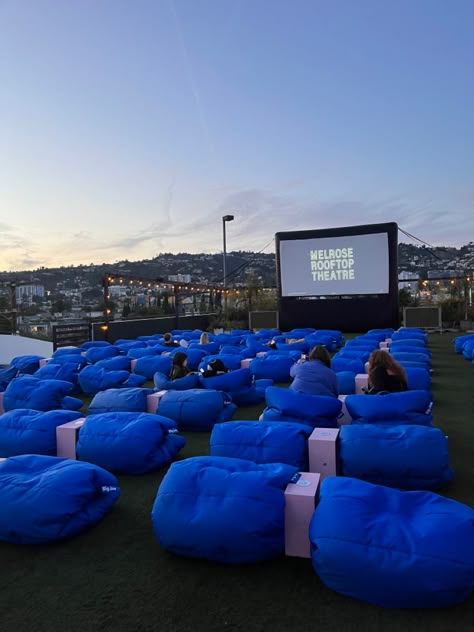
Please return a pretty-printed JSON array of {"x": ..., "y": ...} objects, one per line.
[{"x": 12, "y": 346}]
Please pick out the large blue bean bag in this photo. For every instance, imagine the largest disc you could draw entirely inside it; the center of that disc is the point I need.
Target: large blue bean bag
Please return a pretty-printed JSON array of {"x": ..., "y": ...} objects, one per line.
[
  {"x": 262, "y": 442},
  {"x": 355, "y": 353},
  {"x": 70, "y": 358},
  {"x": 409, "y": 407},
  {"x": 407, "y": 457},
  {"x": 134, "y": 354},
  {"x": 95, "y": 344},
  {"x": 126, "y": 345},
  {"x": 421, "y": 358},
  {"x": 93, "y": 379},
  {"x": 149, "y": 365},
  {"x": 95, "y": 354},
  {"x": 346, "y": 363},
  {"x": 231, "y": 382},
  {"x": 392, "y": 548},
  {"x": 26, "y": 364},
  {"x": 460, "y": 341},
  {"x": 243, "y": 352},
  {"x": 209, "y": 347},
  {"x": 317, "y": 411},
  {"x": 412, "y": 335},
  {"x": 468, "y": 350},
  {"x": 31, "y": 392},
  {"x": 163, "y": 383},
  {"x": 418, "y": 343},
  {"x": 231, "y": 361},
  {"x": 321, "y": 339},
  {"x": 67, "y": 351},
  {"x": 128, "y": 442},
  {"x": 119, "y": 400},
  {"x": 119, "y": 363},
  {"x": 411, "y": 350},
  {"x": 223, "y": 509},
  {"x": 26, "y": 431},
  {"x": 196, "y": 409},
  {"x": 6, "y": 376},
  {"x": 418, "y": 379},
  {"x": 51, "y": 371},
  {"x": 44, "y": 498},
  {"x": 346, "y": 382},
  {"x": 272, "y": 366}
]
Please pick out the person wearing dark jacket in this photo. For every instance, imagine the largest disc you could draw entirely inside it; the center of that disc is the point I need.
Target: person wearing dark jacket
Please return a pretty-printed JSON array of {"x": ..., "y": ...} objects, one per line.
[
  {"x": 216, "y": 367},
  {"x": 386, "y": 375},
  {"x": 169, "y": 342},
  {"x": 179, "y": 367},
  {"x": 314, "y": 376}
]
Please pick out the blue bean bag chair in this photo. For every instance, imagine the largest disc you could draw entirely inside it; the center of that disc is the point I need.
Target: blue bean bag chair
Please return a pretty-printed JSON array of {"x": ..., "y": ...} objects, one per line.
[
  {"x": 95, "y": 354},
  {"x": 134, "y": 354},
  {"x": 67, "y": 351},
  {"x": 460, "y": 341},
  {"x": 119, "y": 363},
  {"x": 420, "y": 358},
  {"x": 320, "y": 339},
  {"x": 125, "y": 345},
  {"x": 418, "y": 379},
  {"x": 51, "y": 371},
  {"x": 59, "y": 498},
  {"x": 412, "y": 335},
  {"x": 26, "y": 364},
  {"x": 317, "y": 411},
  {"x": 94, "y": 344},
  {"x": 30, "y": 392},
  {"x": 163, "y": 383},
  {"x": 69, "y": 358},
  {"x": 409, "y": 407},
  {"x": 231, "y": 361},
  {"x": 262, "y": 442},
  {"x": 407, "y": 457},
  {"x": 93, "y": 379},
  {"x": 238, "y": 384},
  {"x": 129, "y": 442},
  {"x": 120, "y": 400},
  {"x": 346, "y": 363},
  {"x": 346, "y": 382},
  {"x": 196, "y": 409},
  {"x": 237, "y": 351},
  {"x": 26, "y": 431},
  {"x": 222, "y": 509},
  {"x": 417, "y": 343},
  {"x": 355, "y": 353},
  {"x": 275, "y": 367},
  {"x": 209, "y": 347},
  {"x": 6, "y": 376},
  {"x": 411, "y": 350},
  {"x": 149, "y": 365},
  {"x": 392, "y": 548},
  {"x": 468, "y": 350}
]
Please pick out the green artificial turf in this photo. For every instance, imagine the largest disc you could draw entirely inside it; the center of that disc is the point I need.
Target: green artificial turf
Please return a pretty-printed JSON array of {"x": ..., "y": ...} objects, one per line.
[{"x": 116, "y": 577}]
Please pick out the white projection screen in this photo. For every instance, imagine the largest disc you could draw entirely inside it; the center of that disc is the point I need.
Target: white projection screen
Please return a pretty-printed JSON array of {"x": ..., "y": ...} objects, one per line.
[{"x": 335, "y": 266}]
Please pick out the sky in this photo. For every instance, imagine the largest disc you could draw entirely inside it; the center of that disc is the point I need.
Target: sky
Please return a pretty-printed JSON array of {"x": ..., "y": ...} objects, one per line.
[{"x": 129, "y": 128}]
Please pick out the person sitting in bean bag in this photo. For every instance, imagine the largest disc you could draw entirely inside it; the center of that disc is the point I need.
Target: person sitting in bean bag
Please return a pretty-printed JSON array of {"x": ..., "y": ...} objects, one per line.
[
  {"x": 386, "y": 375},
  {"x": 313, "y": 375},
  {"x": 168, "y": 341},
  {"x": 179, "y": 367},
  {"x": 214, "y": 368}
]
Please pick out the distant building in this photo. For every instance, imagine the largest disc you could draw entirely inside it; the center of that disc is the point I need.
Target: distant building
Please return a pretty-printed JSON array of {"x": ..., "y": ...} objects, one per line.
[
  {"x": 25, "y": 293},
  {"x": 180, "y": 278}
]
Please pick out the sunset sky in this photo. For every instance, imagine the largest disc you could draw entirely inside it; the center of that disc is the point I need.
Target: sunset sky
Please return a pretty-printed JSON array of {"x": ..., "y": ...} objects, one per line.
[{"x": 128, "y": 128}]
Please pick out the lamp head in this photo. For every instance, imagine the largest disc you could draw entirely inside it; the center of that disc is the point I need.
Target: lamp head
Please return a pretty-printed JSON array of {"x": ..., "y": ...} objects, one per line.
[{"x": 227, "y": 218}]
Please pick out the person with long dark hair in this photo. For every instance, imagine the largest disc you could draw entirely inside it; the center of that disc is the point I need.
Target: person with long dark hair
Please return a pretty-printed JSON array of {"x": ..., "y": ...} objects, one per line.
[
  {"x": 179, "y": 366},
  {"x": 313, "y": 375},
  {"x": 386, "y": 375}
]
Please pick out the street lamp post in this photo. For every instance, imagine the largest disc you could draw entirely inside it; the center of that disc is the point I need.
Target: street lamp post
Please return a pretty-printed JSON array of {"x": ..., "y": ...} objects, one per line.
[{"x": 226, "y": 218}]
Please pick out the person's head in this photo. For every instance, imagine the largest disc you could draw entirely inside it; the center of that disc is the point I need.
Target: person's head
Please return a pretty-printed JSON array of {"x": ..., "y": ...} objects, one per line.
[
  {"x": 383, "y": 359},
  {"x": 217, "y": 366},
  {"x": 180, "y": 359},
  {"x": 167, "y": 337},
  {"x": 204, "y": 339},
  {"x": 319, "y": 352}
]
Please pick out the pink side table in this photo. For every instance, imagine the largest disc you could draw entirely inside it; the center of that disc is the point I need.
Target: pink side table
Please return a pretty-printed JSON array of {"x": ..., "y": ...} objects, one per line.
[
  {"x": 66, "y": 438},
  {"x": 361, "y": 382},
  {"x": 300, "y": 502},
  {"x": 322, "y": 451}
]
